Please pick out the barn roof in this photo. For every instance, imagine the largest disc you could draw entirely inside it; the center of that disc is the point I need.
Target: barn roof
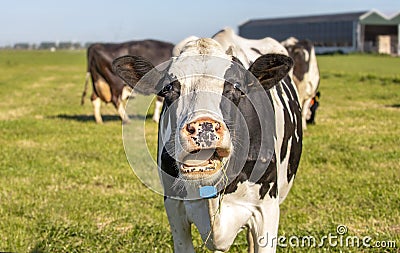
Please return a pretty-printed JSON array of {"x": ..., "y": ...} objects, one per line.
[
  {"x": 374, "y": 17},
  {"x": 365, "y": 17},
  {"x": 396, "y": 18}
]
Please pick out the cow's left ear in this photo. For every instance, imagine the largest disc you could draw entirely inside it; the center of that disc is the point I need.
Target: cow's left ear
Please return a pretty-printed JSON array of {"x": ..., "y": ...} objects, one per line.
[
  {"x": 131, "y": 69},
  {"x": 271, "y": 68}
]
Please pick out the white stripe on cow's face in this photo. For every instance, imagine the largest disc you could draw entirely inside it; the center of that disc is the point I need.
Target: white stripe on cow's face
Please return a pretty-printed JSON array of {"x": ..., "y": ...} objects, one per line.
[{"x": 199, "y": 70}]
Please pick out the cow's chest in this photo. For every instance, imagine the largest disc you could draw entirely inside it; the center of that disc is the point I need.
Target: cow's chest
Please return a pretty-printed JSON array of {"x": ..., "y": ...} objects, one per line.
[{"x": 220, "y": 219}]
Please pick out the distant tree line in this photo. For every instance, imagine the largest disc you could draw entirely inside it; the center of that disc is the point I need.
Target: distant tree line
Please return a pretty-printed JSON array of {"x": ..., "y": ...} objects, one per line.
[{"x": 48, "y": 45}]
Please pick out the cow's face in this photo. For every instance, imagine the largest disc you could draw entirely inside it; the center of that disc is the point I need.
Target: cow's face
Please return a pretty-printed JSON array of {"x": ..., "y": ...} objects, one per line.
[
  {"x": 301, "y": 54},
  {"x": 203, "y": 89}
]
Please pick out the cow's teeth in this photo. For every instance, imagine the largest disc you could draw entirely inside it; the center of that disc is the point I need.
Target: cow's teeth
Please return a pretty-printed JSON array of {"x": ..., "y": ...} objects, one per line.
[{"x": 197, "y": 169}]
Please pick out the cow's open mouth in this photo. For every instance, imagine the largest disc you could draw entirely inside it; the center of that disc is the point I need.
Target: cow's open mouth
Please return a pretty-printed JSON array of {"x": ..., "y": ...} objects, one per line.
[{"x": 203, "y": 161}]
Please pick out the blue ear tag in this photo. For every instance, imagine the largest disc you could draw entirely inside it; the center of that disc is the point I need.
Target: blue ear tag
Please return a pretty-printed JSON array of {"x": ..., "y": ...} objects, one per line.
[{"x": 207, "y": 192}]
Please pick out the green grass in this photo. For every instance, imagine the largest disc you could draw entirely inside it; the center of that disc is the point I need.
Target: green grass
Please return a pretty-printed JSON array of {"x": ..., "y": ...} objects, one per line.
[{"x": 66, "y": 185}]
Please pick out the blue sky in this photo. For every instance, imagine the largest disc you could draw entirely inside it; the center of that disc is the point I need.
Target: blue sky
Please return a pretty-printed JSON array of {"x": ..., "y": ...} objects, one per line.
[{"x": 169, "y": 20}]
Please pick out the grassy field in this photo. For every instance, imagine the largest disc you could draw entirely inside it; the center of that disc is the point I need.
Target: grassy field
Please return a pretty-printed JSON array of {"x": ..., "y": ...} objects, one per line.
[{"x": 66, "y": 185}]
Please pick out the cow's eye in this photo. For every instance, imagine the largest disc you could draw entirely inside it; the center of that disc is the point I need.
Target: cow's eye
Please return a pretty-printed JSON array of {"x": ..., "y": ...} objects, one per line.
[
  {"x": 237, "y": 86},
  {"x": 167, "y": 88}
]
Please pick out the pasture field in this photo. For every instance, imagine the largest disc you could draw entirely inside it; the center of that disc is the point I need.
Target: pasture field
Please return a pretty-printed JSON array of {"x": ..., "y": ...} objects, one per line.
[{"x": 66, "y": 185}]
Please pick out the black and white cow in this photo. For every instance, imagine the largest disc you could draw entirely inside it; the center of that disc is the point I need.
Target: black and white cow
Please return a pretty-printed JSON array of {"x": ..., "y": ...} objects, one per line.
[
  {"x": 247, "y": 50},
  {"x": 198, "y": 142},
  {"x": 305, "y": 72}
]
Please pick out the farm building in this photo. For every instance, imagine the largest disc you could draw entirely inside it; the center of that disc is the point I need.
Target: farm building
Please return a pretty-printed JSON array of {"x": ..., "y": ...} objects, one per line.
[{"x": 368, "y": 31}]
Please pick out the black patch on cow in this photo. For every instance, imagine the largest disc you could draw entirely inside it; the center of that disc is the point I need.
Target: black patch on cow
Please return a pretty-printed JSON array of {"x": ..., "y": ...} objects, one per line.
[
  {"x": 269, "y": 70},
  {"x": 270, "y": 176},
  {"x": 296, "y": 149},
  {"x": 256, "y": 50},
  {"x": 170, "y": 167},
  {"x": 267, "y": 179},
  {"x": 171, "y": 92},
  {"x": 236, "y": 93},
  {"x": 292, "y": 129},
  {"x": 235, "y": 86},
  {"x": 171, "y": 184},
  {"x": 288, "y": 124}
]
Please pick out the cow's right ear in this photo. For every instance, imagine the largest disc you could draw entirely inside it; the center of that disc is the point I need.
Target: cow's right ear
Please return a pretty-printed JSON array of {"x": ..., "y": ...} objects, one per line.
[
  {"x": 271, "y": 68},
  {"x": 131, "y": 69}
]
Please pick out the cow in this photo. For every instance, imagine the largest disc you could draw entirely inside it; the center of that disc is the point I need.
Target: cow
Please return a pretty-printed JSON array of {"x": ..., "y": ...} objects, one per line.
[
  {"x": 107, "y": 86},
  {"x": 207, "y": 167},
  {"x": 305, "y": 72},
  {"x": 246, "y": 50}
]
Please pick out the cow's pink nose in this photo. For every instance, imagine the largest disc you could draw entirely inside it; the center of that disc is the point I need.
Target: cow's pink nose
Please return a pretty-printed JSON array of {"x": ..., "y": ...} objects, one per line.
[
  {"x": 199, "y": 126},
  {"x": 204, "y": 132}
]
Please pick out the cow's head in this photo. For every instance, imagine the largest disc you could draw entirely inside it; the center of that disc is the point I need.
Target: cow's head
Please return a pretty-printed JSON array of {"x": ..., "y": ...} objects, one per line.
[
  {"x": 301, "y": 52},
  {"x": 206, "y": 94}
]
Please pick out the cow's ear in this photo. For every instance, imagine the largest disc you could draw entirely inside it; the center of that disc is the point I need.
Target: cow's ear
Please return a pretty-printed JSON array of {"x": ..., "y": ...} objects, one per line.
[
  {"x": 131, "y": 69},
  {"x": 271, "y": 68}
]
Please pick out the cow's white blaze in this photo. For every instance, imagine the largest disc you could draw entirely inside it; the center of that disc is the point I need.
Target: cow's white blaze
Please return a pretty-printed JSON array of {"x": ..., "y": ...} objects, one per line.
[{"x": 200, "y": 98}]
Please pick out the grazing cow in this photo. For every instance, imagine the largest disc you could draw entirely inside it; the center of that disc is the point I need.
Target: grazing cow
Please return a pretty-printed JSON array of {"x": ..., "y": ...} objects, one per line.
[
  {"x": 107, "y": 86},
  {"x": 305, "y": 72},
  {"x": 201, "y": 145}
]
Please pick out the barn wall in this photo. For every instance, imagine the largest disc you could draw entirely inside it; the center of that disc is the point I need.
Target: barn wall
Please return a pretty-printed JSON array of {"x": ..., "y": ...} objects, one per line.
[{"x": 338, "y": 33}]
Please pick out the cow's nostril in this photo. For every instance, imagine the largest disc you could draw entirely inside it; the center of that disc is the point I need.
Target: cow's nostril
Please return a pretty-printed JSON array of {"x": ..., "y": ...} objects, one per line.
[{"x": 190, "y": 128}]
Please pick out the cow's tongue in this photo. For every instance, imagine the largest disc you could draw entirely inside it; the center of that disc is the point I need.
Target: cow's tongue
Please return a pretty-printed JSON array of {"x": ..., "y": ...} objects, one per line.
[{"x": 201, "y": 158}]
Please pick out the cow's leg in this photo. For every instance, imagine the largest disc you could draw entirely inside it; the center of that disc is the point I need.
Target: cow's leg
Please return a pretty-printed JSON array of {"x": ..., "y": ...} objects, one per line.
[
  {"x": 250, "y": 241},
  {"x": 157, "y": 110},
  {"x": 304, "y": 112},
  {"x": 265, "y": 234},
  {"x": 122, "y": 113},
  {"x": 126, "y": 93},
  {"x": 180, "y": 226},
  {"x": 96, "y": 101}
]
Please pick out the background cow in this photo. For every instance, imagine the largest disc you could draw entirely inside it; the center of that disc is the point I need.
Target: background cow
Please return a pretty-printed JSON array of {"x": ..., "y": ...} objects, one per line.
[
  {"x": 305, "y": 72},
  {"x": 198, "y": 142},
  {"x": 246, "y": 50},
  {"x": 107, "y": 86}
]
